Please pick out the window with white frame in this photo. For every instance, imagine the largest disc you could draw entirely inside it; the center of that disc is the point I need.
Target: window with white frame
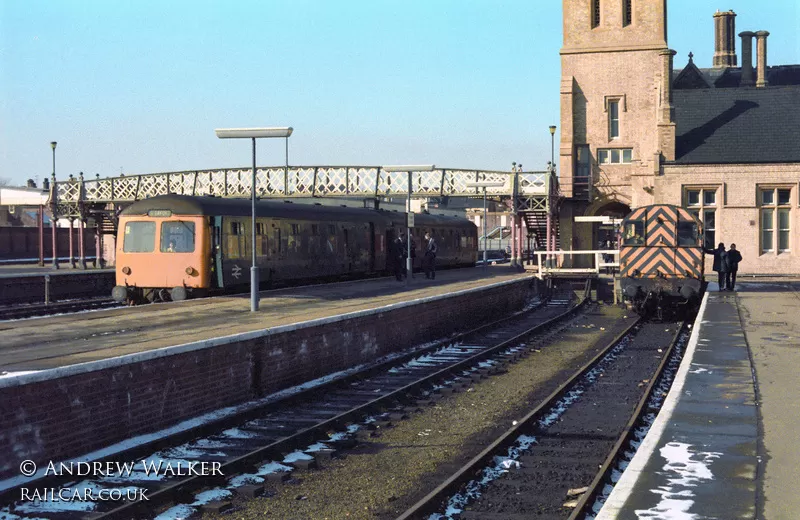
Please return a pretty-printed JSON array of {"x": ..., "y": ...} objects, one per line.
[
  {"x": 775, "y": 225},
  {"x": 613, "y": 119},
  {"x": 614, "y": 155},
  {"x": 702, "y": 203}
]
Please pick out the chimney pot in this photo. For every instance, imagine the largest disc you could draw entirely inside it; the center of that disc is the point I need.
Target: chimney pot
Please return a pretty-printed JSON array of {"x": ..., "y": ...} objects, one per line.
[
  {"x": 724, "y": 39},
  {"x": 747, "y": 58},
  {"x": 761, "y": 59}
]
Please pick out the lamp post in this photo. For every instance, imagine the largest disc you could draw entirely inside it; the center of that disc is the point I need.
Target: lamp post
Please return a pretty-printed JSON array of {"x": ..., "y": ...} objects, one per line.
[
  {"x": 410, "y": 215},
  {"x": 553, "y": 146},
  {"x": 54, "y": 220},
  {"x": 484, "y": 185},
  {"x": 255, "y": 133}
]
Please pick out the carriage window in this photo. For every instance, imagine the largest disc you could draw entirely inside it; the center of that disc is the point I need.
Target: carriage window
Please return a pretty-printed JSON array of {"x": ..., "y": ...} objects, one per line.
[
  {"x": 634, "y": 233},
  {"x": 140, "y": 237},
  {"x": 687, "y": 233},
  {"x": 295, "y": 229}
]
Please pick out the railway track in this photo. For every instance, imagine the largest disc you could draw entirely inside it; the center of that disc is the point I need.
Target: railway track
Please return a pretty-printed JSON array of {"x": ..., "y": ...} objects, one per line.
[
  {"x": 248, "y": 449},
  {"x": 20, "y": 311},
  {"x": 545, "y": 466}
]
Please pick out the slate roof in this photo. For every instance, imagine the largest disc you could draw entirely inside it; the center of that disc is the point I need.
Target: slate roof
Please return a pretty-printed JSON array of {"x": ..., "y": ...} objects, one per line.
[
  {"x": 730, "y": 77},
  {"x": 737, "y": 125}
]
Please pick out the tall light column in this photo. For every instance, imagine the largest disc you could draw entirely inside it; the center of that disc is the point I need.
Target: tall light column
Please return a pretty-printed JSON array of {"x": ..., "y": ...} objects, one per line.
[
  {"x": 253, "y": 134},
  {"x": 54, "y": 220}
]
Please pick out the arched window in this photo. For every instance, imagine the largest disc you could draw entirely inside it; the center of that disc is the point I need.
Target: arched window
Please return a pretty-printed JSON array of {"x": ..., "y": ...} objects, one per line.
[
  {"x": 627, "y": 12},
  {"x": 595, "y": 13}
]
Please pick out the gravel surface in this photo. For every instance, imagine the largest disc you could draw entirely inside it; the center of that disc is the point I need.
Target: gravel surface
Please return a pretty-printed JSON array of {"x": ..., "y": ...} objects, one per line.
[{"x": 381, "y": 478}]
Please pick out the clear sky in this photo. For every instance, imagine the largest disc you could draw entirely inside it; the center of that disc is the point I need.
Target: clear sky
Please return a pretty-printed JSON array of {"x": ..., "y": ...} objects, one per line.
[{"x": 138, "y": 86}]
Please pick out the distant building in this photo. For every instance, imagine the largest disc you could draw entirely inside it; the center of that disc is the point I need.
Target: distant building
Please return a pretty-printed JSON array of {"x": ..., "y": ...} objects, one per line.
[{"x": 723, "y": 141}]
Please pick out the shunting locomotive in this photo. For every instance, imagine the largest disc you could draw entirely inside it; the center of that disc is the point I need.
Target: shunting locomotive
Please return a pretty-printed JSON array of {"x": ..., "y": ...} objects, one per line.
[
  {"x": 661, "y": 260},
  {"x": 174, "y": 247}
]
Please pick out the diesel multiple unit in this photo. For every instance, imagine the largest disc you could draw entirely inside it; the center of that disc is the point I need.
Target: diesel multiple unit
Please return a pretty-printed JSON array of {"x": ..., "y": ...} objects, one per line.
[{"x": 173, "y": 247}]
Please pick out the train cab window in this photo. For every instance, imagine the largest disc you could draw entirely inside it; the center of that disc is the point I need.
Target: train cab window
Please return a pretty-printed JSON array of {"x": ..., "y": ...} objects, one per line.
[
  {"x": 633, "y": 234},
  {"x": 687, "y": 233},
  {"x": 140, "y": 237},
  {"x": 177, "y": 237}
]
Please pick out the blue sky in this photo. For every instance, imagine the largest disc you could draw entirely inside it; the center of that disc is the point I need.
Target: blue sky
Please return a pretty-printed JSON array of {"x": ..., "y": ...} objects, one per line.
[{"x": 139, "y": 86}]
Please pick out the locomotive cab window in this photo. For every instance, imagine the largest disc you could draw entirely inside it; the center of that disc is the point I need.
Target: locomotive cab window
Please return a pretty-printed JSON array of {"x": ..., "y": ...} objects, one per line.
[
  {"x": 177, "y": 237},
  {"x": 140, "y": 237},
  {"x": 687, "y": 233},
  {"x": 633, "y": 234}
]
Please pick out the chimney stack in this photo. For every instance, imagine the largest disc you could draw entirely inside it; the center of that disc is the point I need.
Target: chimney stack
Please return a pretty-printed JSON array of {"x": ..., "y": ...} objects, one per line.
[
  {"x": 747, "y": 58},
  {"x": 761, "y": 59},
  {"x": 724, "y": 39}
]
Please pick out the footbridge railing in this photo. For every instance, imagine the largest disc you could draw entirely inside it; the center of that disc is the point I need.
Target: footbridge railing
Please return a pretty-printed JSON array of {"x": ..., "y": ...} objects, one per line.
[{"x": 70, "y": 196}]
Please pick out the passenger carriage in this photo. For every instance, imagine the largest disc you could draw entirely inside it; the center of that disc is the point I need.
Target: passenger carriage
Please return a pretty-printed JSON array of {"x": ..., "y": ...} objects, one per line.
[{"x": 173, "y": 247}]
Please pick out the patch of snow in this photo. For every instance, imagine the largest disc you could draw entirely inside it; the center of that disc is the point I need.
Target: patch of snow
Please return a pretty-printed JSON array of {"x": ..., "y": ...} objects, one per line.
[
  {"x": 243, "y": 480},
  {"x": 272, "y": 467},
  {"x": 295, "y": 456}
]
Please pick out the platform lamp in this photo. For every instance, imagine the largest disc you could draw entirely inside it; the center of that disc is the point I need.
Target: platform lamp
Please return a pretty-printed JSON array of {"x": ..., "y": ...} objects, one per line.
[
  {"x": 54, "y": 222},
  {"x": 410, "y": 168},
  {"x": 255, "y": 133},
  {"x": 484, "y": 185},
  {"x": 553, "y": 146}
]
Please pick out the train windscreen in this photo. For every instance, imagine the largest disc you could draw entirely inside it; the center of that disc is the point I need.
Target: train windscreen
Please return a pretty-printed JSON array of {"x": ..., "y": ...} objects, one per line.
[
  {"x": 140, "y": 237},
  {"x": 177, "y": 237}
]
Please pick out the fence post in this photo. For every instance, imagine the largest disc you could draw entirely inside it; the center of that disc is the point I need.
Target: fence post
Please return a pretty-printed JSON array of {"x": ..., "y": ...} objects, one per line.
[{"x": 47, "y": 289}]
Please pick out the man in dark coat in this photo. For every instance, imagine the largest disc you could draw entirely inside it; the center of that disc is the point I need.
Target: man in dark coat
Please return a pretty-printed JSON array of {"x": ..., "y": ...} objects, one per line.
[
  {"x": 734, "y": 257},
  {"x": 720, "y": 264},
  {"x": 430, "y": 256},
  {"x": 398, "y": 253}
]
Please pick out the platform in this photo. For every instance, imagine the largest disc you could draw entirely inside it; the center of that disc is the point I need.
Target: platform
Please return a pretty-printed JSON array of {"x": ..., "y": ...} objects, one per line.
[
  {"x": 725, "y": 443},
  {"x": 44, "y": 343}
]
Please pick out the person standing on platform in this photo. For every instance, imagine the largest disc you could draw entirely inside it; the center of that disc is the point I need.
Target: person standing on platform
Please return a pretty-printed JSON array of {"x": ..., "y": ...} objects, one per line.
[
  {"x": 720, "y": 264},
  {"x": 398, "y": 253},
  {"x": 734, "y": 257},
  {"x": 430, "y": 256}
]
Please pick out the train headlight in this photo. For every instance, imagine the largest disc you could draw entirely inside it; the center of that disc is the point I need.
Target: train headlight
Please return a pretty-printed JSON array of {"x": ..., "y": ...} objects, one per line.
[
  {"x": 126, "y": 270},
  {"x": 190, "y": 271}
]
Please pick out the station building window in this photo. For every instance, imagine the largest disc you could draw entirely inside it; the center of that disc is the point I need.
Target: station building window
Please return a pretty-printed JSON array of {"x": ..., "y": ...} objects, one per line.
[
  {"x": 595, "y": 13},
  {"x": 702, "y": 203},
  {"x": 613, "y": 119},
  {"x": 627, "y": 12},
  {"x": 775, "y": 225},
  {"x": 614, "y": 155}
]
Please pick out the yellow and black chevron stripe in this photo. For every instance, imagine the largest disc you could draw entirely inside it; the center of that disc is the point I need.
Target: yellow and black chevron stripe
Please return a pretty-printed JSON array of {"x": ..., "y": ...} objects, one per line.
[{"x": 660, "y": 256}]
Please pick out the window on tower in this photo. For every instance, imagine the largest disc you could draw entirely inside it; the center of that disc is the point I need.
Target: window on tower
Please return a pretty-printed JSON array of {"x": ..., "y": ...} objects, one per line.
[
  {"x": 595, "y": 13},
  {"x": 627, "y": 12},
  {"x": 613, "y": 119}
]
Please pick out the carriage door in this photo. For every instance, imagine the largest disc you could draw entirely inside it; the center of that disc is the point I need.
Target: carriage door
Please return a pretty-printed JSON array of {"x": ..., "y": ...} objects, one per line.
[
  {"x": 661, "y": 237},
  {"x": 216, "y": 250}
]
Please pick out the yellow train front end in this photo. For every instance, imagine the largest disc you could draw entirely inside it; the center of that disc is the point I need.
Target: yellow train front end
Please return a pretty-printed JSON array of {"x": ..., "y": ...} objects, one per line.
[{"x": 162, "y": 257}]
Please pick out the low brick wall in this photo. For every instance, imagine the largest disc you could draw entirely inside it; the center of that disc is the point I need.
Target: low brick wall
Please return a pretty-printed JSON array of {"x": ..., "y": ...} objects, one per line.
[
  {"x": 64, "y": 285},
  {"x": 71, "y": 411}
]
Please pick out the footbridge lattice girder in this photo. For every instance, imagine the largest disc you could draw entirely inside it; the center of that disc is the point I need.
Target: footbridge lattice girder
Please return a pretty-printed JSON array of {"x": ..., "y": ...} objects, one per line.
[{"x": 75, "y": 197}]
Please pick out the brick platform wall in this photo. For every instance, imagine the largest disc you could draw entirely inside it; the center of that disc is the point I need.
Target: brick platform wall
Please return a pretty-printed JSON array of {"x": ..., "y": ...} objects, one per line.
[{"x": 55, "y": 418}]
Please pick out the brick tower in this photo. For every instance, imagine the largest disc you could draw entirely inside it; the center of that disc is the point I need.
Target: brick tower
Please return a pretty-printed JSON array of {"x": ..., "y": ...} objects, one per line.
[{"x": 616, "y": 108}]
